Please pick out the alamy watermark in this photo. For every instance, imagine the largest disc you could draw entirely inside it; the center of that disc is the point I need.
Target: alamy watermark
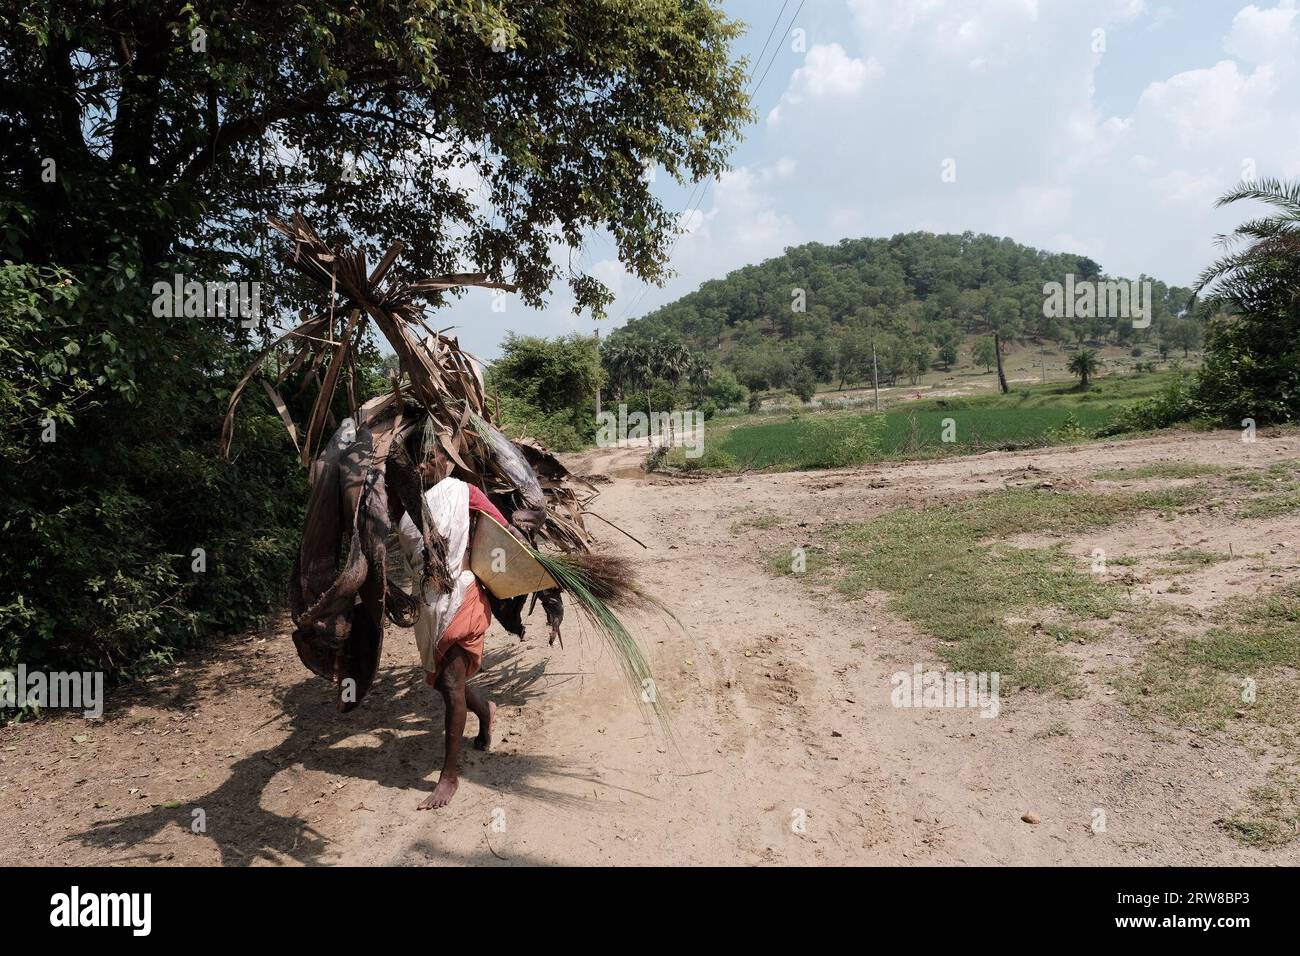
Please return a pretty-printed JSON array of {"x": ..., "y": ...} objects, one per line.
[
  {"x": 922, "y": 688},
  {"x": 74, "y": 908},
  {"x": 677, "y": 429},
  {"x": 1086, "y": 299},
  {"x": 192, "y": 299},
  {"x": 73, "y": 690}
]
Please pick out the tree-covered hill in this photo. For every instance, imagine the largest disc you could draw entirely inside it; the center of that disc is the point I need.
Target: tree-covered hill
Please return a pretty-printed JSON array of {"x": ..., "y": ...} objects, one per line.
[{"x": 817, "y": 310}]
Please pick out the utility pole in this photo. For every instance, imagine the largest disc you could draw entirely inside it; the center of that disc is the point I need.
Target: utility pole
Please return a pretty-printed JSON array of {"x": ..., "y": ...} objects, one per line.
[
  {"x": 598, "y": 387},
  {"x": 1042, "y": 359},
  {"x": 875, "y": 375}
]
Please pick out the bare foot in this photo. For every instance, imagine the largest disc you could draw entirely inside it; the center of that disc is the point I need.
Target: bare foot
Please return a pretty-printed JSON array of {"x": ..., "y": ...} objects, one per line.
[
  {"x": 442, "y": 794},
  {"x": 484, "y": 739}
]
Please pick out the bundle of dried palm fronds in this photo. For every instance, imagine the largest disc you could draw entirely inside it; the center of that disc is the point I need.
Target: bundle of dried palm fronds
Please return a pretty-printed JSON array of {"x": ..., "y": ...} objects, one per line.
[{"x": 437, "y": 408}]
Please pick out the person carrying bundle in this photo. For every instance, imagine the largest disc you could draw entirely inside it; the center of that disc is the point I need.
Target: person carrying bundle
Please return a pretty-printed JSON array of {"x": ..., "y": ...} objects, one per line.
[{"x": 450, "y": 630}]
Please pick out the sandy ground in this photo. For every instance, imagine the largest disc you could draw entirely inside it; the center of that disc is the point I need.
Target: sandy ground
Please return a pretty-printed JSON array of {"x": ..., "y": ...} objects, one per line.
[{"x": 787, "y": 747}]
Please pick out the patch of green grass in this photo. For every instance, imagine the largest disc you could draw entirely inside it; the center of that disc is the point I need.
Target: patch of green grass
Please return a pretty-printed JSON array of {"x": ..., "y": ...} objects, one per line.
[
  {"x": 1185, "y": 560},
  {"x": 1057, "y": 728},
  {"x": 1069, "y": 633},
  {"x": 964, "y": 594},
  {"x": 1286, "y": 469},
  {"x": 712, "y": 458},
  {"x": 799, "y": 560},
  {"x": 944, "y": 574},
  {"x": 808, "y": 441},
  {"x": 1273, "y": 819},
  {"x": 1242, "y": 669},
  {"x": 1258, "y": 632},
  {"x": 759, "y": 522},
  {"x": 1271, "y": 506},
  {"x": 1171, "y": 469},
  {"x": 1279, "y": 477},
  {"x": 1194, "y": 556}
]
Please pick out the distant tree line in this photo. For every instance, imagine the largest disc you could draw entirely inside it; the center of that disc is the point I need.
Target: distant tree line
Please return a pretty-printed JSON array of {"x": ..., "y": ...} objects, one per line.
[{"x": 816, "y": 313}]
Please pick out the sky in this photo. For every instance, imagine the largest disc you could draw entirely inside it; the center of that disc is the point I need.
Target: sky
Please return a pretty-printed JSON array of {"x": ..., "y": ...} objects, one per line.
[{"x": 1101, "y": 127}]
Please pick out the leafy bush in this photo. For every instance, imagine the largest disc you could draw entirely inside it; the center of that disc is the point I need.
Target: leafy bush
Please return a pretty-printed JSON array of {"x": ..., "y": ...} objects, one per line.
[
  {"x": 100, "y": 569},
  {"x": 841, "y": 442},
  {"x": 1172, "y": 405},
  {"x": 1252, "y": 361},
  {"x": 1252, "y": 368},
  {"x": 724, "y": 389},
  {"x": 546, "y": 389},
  {"x": 1068, "y": 431},
  {"x": 566, "y": 429},
  {"x": 803, "y": 384}
]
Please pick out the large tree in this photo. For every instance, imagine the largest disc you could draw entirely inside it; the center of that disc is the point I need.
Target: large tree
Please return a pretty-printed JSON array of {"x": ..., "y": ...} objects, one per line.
[
  {"x": 474, "y": 131},
  {"x": 143, "y": 139}
]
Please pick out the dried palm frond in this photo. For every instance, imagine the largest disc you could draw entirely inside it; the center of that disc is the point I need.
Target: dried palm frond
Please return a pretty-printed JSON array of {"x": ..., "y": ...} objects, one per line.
[
  {"x": 339, "y": 591},
  {"x": 442, "y": 400},
  {"x": 367, "y": 475}
]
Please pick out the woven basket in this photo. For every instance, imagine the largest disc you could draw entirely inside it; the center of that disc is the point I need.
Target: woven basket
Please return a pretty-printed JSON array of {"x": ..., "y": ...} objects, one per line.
[{"x": 503, "y": 564}]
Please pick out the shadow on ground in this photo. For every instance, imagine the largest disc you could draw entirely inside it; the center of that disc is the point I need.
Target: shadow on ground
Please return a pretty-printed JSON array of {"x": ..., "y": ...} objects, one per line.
[{"x": 342, "y": 746}]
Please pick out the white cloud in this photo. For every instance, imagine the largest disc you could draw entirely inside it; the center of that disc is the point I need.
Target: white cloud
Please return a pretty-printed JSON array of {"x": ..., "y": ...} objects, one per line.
[
  {"x": 744, "y": 216},
  {"x": 828, "y": 72},
  {"x": 1009, "y": 90},
  {"x": 1263, "y": 36},
  {"x": 1207, "y": 105}
]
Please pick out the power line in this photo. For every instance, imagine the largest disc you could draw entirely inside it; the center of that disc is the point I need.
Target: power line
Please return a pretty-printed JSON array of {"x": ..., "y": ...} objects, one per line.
[
  {"x": 770, "y": 33},
  {"x": 755, "y": 90}
]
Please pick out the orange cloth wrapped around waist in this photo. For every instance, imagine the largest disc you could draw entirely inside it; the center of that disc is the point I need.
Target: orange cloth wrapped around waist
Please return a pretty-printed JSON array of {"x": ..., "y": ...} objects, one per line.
[{"x": 466, "y": 629}]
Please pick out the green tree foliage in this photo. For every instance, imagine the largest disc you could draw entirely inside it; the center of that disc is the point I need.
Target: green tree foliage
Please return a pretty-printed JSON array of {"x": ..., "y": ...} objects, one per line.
[
  {"x": 724, "y": 390},
  {"x": 1184, "y": 334},
  {"x": 803, "y": 383},
  {"x": 140, "y": 141},
  {"x": 922, "y": 359},
  {"x": 548, "y": 387},
  {"x": 1252, "y": 349},
  {"x": 942, "y": 287},
  {"x": 1084, "y": 366},
  {"x": 656, "y": 375},
  {"x": 854, "y": 359},
  {"x": 948, "y": 341},
  {"x": 985, "y": 353},
  {"x": 550, "y": 374},
  {"x": 895, "y": 357}
]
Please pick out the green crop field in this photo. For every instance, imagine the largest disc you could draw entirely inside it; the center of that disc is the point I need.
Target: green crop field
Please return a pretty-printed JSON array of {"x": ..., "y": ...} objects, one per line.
[{"x": 1031, "y": 415}]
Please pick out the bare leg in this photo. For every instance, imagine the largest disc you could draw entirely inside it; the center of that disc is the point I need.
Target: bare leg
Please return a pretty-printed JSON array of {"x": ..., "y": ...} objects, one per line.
[
  {"x": 485, "y": 710},
  {"x": 451, "y": 684}
]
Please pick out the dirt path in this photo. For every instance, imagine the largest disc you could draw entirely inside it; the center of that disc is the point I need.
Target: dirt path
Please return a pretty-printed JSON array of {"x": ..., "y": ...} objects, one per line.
[{"x": 788, "y": 749}]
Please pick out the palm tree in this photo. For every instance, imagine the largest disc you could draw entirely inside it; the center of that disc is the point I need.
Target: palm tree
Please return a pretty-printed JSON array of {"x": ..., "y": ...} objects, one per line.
[
  {"x": 645, "y": 365},
  {"x": 1085, "y": 365},
  {"x": 1262, "y": 264},
  {"x": 671, "y": 361},
  {"x": 1252, "y": 348},
  {"x": 698, "y": 374},
  {"x": 624, "y": 362}
]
